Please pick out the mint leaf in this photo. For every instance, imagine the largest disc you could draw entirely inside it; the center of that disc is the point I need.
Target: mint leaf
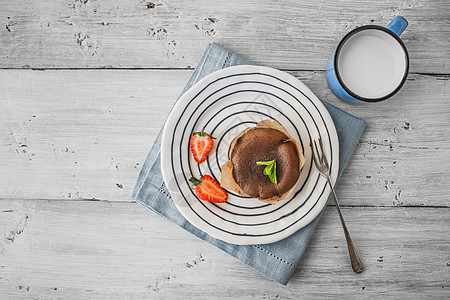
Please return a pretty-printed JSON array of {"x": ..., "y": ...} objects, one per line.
[
  {"x": 273, "y": 175},
  {"x": 270, "y": 170}
]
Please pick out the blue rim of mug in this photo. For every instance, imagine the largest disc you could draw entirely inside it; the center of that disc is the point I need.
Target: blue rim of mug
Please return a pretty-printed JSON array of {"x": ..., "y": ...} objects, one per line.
[{"x": 345, "y": 39}]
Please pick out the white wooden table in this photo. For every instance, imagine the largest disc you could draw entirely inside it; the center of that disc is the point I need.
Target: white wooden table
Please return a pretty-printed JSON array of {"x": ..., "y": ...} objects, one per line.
[{"x": 85, "y": 87}]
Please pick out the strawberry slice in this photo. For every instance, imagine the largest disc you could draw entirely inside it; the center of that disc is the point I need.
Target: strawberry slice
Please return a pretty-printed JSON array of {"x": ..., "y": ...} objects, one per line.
[
  {"x": 207, "y": 188},
  {"x": 201, "y": 144}
]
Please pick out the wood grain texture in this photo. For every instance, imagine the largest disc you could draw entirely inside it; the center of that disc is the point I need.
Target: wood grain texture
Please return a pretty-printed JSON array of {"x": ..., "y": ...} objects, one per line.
[
  {"x": 172, "y": 34},
  {"x": 70, "y": 137},
  {"x": 90, "y": 250},
  {"x": 86, "y": 134}
]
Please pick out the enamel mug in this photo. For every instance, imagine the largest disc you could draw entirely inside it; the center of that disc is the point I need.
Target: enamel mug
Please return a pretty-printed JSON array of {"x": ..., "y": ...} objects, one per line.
[{"x": 370, "y": 64}]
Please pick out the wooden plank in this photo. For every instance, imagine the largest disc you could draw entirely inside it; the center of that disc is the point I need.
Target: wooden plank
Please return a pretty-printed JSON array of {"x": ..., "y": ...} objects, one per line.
[
  {"x": 91, "y": 250},
  {"x": 400, "y": 157},
  {"x": 160, "y": 34},
  {"x": 84, "y": 134},
  {"x": 80, "y": 134}
]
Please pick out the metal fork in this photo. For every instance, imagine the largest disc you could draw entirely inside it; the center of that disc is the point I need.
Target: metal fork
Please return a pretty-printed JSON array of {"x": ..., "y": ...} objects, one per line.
[{"x": 322, "y": 166}]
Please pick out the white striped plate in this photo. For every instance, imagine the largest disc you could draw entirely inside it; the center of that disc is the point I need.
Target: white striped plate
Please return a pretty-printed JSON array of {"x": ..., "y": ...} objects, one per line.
[{"x": 226, "y": 102}]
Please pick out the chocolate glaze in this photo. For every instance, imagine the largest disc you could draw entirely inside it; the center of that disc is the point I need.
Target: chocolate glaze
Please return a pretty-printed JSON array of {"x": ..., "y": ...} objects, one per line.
[{"x": 264, "y": 144}]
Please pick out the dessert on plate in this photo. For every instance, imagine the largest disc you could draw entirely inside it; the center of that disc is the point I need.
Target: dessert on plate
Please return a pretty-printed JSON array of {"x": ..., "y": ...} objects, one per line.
[{"x": 265, "y": 163}]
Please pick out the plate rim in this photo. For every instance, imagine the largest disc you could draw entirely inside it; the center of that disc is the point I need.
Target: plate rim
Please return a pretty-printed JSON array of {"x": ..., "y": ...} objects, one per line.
[{"x": 181, "y": 104}]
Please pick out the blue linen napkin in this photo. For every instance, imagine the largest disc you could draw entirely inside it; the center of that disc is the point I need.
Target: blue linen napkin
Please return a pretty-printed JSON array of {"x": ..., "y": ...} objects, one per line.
[{"x": 277, "y": 260}]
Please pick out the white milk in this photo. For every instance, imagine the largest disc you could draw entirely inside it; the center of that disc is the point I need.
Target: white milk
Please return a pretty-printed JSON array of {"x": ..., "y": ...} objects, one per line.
[{"x": 372, "y": 63}]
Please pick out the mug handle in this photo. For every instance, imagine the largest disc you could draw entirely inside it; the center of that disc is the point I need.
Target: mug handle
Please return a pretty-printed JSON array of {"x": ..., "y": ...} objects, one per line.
[{"x": 398, "y": 25}]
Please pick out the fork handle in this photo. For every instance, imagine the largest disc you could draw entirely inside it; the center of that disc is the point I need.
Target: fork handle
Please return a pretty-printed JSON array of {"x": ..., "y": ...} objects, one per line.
[{"x": 355, "y": 260}]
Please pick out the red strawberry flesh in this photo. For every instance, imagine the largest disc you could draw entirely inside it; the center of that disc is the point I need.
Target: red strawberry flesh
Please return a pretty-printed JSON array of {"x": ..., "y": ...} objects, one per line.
[
  {"x": 207, "y": 188},
  {"x": 201, "y": 144}
]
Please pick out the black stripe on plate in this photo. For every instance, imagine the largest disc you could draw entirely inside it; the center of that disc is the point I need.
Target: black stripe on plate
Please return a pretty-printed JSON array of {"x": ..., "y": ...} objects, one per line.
[
  {"x": 176, "y": 125},
  {"x": 292, "y": 123},
  {"x": 220, "y": 140},
  {"x": 258, "y": 91},
  {"x": 252, "y": 111}
]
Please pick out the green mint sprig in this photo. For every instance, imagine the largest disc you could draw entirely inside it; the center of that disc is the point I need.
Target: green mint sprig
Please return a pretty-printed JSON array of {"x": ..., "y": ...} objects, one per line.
[{"x": 270, "y": 170}]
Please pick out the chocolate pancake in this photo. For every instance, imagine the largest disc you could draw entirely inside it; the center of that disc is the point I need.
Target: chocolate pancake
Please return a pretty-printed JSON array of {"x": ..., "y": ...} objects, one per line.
[
  {"x": 267, "y": 141},
  {"x": 265, "y": 144}
]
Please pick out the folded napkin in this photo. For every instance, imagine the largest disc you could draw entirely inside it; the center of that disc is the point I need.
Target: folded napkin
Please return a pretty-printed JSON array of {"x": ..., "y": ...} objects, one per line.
[{"x": 277, "y": 260}]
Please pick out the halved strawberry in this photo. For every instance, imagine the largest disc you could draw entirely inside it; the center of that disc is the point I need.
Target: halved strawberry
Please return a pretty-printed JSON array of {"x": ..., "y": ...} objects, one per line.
[
  {"x": 201, "y": 144},
  {"x": 207, "y": 188}
]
